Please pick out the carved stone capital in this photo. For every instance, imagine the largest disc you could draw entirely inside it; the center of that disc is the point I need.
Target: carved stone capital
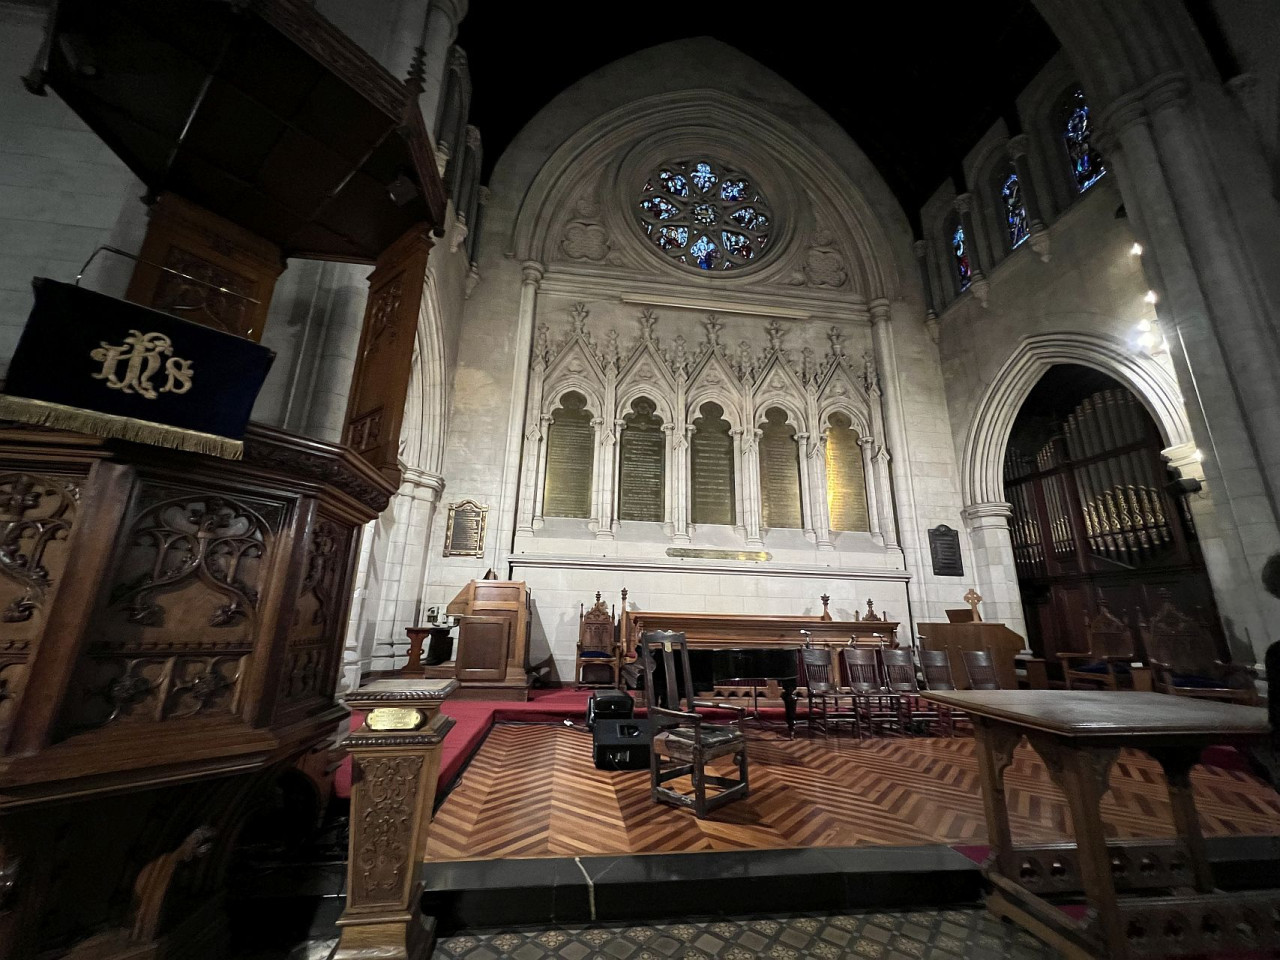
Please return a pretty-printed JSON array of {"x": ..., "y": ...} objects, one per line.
[
  {"x": 994, "y": 514},
  {"x": 532, "y": 272},
  {"x": 920, "y": 248},
  {"x": 964, "y": 202},
  {"x": 880, "y": 312}
]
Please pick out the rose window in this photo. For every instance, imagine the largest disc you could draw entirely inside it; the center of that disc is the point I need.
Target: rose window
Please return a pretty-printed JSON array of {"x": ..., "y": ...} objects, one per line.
[{"x": 704, "y": 216}]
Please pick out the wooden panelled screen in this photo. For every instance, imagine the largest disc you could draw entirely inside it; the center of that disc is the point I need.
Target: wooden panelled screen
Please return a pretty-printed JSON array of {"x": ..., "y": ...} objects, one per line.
[{"x": 1092, "y": 515}]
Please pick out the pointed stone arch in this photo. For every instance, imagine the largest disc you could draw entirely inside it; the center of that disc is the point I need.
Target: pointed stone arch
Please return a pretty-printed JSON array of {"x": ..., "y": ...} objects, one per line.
[{"x": 982, "y": 462}]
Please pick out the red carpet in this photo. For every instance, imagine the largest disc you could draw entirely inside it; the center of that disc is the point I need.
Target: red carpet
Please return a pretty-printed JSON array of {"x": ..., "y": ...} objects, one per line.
[{"x": 475, "y": 717}]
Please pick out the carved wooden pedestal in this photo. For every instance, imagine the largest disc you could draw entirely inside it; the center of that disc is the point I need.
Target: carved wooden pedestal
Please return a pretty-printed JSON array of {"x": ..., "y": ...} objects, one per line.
[{"x": 396, "y": 760}]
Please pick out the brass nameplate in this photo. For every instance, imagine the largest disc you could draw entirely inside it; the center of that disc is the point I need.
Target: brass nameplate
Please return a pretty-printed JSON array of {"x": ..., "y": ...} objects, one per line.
[
  {"x": 395, "y": 718},
  {"x": 755, "y": 556},
  {"x": 464, "y": 530},
  {"x": 570, "y": 457}
]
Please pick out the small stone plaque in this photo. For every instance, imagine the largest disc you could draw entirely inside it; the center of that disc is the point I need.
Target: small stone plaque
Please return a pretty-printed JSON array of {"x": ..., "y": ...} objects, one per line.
[
  {"x": 944, "y": 549},
  {"x": 464, "y": 530}
]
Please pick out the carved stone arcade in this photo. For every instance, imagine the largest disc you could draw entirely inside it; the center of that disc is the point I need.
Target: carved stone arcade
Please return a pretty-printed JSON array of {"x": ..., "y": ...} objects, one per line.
[{"x": 678, "y": 378}]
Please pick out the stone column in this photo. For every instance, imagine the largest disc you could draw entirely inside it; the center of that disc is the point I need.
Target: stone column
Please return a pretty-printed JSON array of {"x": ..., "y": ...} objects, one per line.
[
  {"x": 395, "y": 757},
  {"x": 599, "y": 522},
  {"x": 867, "y": 446},
  {"x": 997, "y": 572},
  {"x": 817, "y": 464},
  {"x": 670, "y": 489},
  {"x": 977, "y": 275},
  {"x": 752, "y": 497},
  {"x": 921, "y": 250},
  {"x": 680, "y": 483},
  {"x": 448, "y": 132},
  {"x": 1222, "y": 337},
  {"x": 540, "y": 476},
  {"x": 520, "y": 364},
  {"x": 443, "y": 17},
  {"x": 739, "y": 484},
  {"x": 424, "y": 490},
  {"x": 806, "y": 487},
  {"x": 1019, "y": 149}
]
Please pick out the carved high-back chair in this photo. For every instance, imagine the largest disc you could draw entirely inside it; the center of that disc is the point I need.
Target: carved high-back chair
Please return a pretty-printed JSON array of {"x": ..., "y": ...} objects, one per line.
[
  {"x": 683, "y": 743},
  {"x": 981, "y": 669},
  {"x": 1184, "y": 661},
  {"x": 825, "y": 693},
  {"x": 599, "y": 650},
  {"x": 914, "y": 714},
  {"x": 875, "y": 703},
  {"x": 1106, "y": 664}
]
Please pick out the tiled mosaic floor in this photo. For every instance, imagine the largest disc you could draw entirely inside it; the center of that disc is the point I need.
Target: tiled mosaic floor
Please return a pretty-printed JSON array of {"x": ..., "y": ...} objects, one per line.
[{"x": 971, "y": 934}]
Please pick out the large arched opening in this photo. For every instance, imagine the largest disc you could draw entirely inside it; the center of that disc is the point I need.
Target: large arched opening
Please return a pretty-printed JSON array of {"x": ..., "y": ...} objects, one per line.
[{"x": 1095, "y": 517}]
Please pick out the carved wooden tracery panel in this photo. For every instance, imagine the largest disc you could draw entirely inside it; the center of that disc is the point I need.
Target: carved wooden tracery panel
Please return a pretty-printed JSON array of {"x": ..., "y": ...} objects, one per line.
[
  {"x": 37, "y": 514},
  {"x": 309, "y": 663},
  {"x": 382, "y": 864},
  {"x": 177, "y": 622}
]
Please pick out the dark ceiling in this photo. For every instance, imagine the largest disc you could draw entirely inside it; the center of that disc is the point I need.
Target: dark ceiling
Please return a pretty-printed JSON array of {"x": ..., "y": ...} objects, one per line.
[{"x": 915, "y": 84}]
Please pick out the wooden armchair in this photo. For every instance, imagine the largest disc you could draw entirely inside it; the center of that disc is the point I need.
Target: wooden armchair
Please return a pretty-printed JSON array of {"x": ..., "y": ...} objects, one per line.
[
  {"x": 876, "y": 704},
  {"x": 1106, "y": 664},
  {"x": 1184, "y": 662},
  {"x": 682, "y": 736},
  {"x": 900, "y": 677},
  {"x": 825, "y": 693},
  {"x": 981, "y": 669},
  {"x": 599, "y": 650}
]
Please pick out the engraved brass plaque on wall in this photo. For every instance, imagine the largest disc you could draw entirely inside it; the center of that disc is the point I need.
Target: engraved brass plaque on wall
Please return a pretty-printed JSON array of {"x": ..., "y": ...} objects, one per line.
[
  {"x": 711, "y": 492},
  {"x": 779, "y": 471},
  {"x": 846, "y": 479},
  {"x": 753, "y": 556},
  {"x": 570, "y": 459},
  {"x": 464, "y": 530},
  {"x": 944, "y": 550},
  {"x": 642, "y": 450}
]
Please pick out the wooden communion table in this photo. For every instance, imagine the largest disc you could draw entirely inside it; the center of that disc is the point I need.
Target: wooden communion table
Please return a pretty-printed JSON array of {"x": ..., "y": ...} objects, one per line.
[{"x": 1169, "y": 905}]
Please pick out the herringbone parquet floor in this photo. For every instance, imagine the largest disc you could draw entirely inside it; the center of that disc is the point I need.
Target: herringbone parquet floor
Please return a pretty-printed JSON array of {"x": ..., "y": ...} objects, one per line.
[{"x": 532, "y": 791}]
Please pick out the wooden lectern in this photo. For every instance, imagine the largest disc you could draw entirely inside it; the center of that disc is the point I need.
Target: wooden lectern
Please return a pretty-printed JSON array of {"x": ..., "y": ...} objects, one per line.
[{"x": 493, "y": 640}]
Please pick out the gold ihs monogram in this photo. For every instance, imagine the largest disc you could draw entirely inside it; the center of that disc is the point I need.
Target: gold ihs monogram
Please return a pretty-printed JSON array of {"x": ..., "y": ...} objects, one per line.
[{"x": 141, "y": 353}]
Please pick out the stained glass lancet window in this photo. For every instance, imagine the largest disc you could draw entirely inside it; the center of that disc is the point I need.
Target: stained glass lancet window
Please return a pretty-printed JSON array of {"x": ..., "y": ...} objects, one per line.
[
  {"x": 1077, "y": 134},
  {"x": 704, "y": 215},
  {"x": 960, "y": 254},
  {"x": 1015, "y": 211}
]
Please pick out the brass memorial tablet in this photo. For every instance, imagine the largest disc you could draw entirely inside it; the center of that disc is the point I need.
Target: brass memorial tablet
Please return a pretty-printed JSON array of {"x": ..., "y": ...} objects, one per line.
[
  {"x": 711, "y": 492},
  {"x": 642, "y": 450},
  {"x": 464, "y": 529},
  {"x": 570, "y": 459},
  {"x": 846, "y": 480},
  {"x": 779, "y": 471}
]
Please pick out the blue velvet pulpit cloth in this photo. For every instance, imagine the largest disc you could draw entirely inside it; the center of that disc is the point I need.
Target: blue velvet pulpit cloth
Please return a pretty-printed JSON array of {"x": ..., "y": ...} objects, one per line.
[{"x": 94, "y": 364}]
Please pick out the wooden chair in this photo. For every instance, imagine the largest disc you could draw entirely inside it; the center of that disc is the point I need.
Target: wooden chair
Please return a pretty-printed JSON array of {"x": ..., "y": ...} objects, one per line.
[
  {"x": 877, "y": 706},
  {"x": 1184, "y": 662},
  {"x": 981, "y": 669},
  {"x": 825, "y": 694},
  {"x": 936, "y": 666},
  {"x": 1106, "y": 664},
  {"x": 681, "y": 735},
  {"x": 599, "y": 649},
  {"x": 900, "y": 678}
]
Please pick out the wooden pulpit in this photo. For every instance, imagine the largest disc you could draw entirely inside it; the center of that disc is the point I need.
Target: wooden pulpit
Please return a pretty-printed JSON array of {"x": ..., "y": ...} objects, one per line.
[{"x": 493, "y": 640}]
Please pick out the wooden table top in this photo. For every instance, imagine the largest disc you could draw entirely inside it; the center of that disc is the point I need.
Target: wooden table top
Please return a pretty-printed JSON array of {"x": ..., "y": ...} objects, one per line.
[{"x": 1092, "y": 714}]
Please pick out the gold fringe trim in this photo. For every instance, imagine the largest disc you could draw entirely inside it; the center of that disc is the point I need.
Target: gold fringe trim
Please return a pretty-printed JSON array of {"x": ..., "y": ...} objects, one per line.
[{"x": 44, "y": 414}]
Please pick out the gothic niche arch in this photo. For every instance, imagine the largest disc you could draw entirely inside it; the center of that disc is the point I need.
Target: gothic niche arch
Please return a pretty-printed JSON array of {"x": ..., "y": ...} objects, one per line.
[
  {"x": 642, "y": 464},
  {"x": 1093, "y": 524},
  {"x": 570, "y": 459}
]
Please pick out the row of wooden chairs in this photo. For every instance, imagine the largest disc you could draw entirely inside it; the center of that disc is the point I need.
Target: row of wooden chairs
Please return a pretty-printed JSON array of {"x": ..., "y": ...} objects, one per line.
[{"x": 882, "y": 690}]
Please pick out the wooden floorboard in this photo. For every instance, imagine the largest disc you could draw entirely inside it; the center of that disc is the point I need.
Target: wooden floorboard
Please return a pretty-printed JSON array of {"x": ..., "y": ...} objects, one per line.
[{"x": 532, "y": 791}]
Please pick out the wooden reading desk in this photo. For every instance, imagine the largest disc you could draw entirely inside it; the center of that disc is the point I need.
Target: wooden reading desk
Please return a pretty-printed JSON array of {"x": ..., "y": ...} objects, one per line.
[{"x": 1170, "y": 907}]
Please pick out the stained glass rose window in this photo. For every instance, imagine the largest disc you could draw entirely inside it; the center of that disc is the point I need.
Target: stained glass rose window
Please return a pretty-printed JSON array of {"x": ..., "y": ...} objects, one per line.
[{"x": 704, "y": 215}]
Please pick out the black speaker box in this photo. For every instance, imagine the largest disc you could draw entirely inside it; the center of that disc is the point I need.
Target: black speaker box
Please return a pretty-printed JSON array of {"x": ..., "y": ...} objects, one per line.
[
  {"x": 620, "y": 744},
  {"x": 609, "y": 704}
]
